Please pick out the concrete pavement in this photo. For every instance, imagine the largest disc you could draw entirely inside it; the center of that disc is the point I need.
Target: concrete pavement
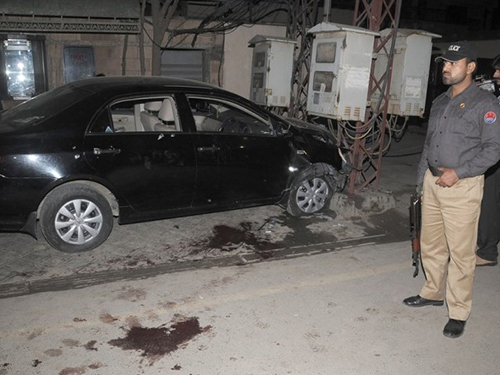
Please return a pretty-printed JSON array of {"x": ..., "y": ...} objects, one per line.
[{"x": 329, "y": 314}]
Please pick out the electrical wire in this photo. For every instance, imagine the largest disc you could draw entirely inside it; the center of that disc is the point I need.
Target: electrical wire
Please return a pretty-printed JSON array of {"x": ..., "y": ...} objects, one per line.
[
  {"x": 232, "y": 14},
  {"x": 236, "y": 15}
]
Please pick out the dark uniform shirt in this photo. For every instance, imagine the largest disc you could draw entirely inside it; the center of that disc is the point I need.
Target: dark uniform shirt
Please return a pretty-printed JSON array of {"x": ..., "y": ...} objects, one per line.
[{"x": 463, "y": 133}]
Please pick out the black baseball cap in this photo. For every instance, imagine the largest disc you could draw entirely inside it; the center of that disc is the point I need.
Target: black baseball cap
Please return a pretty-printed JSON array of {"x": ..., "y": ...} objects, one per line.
[{"x": 459, "y": 50}]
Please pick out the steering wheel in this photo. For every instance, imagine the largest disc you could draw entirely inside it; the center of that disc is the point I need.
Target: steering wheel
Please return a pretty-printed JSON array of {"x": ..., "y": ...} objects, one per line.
[{"x": 233, "y": 125}]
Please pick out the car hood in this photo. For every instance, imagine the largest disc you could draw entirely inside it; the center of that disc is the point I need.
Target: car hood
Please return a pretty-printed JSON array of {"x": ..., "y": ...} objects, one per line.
[
  {"x": 317, "y": 132},
  {"x": 300, "y": 124}
]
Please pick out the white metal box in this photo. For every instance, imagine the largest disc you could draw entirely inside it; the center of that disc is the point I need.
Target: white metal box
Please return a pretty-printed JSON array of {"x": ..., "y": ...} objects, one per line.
[
  {"x": 340, "y": 71},
  {"x": 410, "y": 71},
  {"x": 272, "y": 69}
]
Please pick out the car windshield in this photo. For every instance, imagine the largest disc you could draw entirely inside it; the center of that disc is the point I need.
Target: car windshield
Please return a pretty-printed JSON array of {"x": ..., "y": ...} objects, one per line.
[{"x": 41, "y": 107}]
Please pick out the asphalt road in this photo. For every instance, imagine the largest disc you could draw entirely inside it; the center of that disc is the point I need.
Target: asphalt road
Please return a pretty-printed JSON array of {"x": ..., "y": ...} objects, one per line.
[{"x": 327, "y": 314}]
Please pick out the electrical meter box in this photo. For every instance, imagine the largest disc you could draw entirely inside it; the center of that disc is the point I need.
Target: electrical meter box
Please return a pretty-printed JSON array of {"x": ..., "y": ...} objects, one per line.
[
  {"x": 272, "y": 69},
  {"x": 340, "y": 71},
  {"x": 410, "y": 72}
]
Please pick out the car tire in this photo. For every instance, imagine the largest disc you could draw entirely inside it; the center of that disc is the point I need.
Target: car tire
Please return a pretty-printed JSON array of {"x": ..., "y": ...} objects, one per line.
[
  {"x": 310, "y": 193},
  {"x": 75, "y": 218}
]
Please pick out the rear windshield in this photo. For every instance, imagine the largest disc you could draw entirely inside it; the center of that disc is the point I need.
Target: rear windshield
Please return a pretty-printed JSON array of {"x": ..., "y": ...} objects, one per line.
[{"x": 41, "y": 107}]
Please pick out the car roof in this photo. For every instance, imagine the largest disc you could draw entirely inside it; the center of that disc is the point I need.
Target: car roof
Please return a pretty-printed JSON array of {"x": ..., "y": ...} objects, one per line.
[
  {"x": 140, "y": 83},
  {"x": 99, "y": 90}
]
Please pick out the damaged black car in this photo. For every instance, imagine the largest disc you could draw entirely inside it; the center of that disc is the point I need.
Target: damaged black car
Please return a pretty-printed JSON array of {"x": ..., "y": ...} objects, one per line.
[{"x": 144, "y": 148}]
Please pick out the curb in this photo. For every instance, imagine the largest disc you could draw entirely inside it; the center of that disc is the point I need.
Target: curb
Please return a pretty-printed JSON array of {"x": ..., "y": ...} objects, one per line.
[{"x": 370, "y": 202}]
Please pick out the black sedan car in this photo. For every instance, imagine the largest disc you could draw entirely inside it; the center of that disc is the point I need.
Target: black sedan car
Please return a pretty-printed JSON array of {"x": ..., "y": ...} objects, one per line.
[{"x": 146, "y": 148}]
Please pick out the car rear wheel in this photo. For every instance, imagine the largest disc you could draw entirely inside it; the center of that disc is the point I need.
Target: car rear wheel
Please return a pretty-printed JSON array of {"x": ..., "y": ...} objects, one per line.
[
  {"x": 310, "y": 194},
  {"x": 75, "y": 218}
]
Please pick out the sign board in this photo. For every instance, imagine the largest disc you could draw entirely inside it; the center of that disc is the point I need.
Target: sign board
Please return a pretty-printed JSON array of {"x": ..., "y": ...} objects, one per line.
[{"x": 78, "y": 63}]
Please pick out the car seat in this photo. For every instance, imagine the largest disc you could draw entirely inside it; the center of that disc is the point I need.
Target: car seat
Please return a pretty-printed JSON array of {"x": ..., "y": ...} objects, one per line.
[
  {"x": 166, "y": 116},
  {"x": 148, "y": 116}
]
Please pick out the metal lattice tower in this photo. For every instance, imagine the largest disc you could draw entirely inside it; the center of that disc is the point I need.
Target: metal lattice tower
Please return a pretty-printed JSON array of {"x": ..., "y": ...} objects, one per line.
[
  {"x": 365, "y": 153},
  {"x": 302, "y": 15},
  {"x": 366, "y": 157}
]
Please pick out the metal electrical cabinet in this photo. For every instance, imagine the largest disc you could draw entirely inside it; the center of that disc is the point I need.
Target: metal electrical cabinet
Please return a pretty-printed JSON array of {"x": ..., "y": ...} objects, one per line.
[
  {"x": 340, "y": 71},
  {"x": 410, "y": 72},
  {"x": 272, "y": 69}
]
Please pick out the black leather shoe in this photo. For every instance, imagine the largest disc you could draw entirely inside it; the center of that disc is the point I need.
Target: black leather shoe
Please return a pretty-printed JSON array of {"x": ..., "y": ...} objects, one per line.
[
  {"x": 417, "y": 301},
  {"x": 454, "y": 328}
]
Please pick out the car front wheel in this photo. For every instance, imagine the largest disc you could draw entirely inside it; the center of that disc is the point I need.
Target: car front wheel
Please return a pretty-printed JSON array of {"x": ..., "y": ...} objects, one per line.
[
  {"x": 311, "y": 194},
  {"x": 75, "y": 218}
]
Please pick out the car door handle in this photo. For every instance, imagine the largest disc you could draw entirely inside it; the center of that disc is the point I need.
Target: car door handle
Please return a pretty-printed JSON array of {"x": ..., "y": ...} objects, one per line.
[
  {"x": 111, "y": 150},
  {"x": 211, "y": 149}
]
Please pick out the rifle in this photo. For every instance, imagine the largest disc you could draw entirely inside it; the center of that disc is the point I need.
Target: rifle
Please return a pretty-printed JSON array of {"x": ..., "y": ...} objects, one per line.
[
  {"x": 415, "y": 228},
  {"x": 488, "y": 85}
]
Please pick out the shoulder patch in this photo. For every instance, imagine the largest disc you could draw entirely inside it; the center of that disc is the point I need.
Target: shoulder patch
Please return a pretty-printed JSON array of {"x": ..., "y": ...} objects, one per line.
[{"x": 490, "y": 117}]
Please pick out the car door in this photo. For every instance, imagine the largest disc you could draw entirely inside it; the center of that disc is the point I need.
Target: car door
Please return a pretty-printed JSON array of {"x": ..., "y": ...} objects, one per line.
[
  {"x": 147, "y": 159},
  {"x": 240, "y": 159}
]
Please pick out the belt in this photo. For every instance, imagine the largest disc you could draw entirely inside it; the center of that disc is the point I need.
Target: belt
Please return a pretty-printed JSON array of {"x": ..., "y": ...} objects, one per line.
[{"x": 435, "y": 172}]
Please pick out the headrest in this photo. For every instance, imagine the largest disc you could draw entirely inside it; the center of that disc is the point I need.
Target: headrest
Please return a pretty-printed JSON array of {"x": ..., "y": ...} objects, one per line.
[
  {"x": 166, "y": 111},
  {"x": 152, "y": 106}
]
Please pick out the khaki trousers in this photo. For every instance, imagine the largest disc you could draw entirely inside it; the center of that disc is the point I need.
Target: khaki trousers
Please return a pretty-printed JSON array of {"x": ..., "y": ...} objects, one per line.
[{"x": 448, "y": 241}]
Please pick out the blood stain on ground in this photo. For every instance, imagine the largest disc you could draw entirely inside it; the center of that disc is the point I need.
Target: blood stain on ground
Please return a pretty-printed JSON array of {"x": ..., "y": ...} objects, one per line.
[
  {"x": 131, "y": 294},
  {"x": 71, "y": 343},
  {"x": 37, "y": 332},
  {"x": 167, "y": 305},
  {"x": 229, "y": 238},
  {"x": 245, "y": 236},
  {"x": 73, "y": 371},
  {"x": 156, "y": 342},
  {"x": 53, "y": 352},
  {"x": 90, "y": 345},
  {"x": 107, "y": 318},
  {"x": 133, "y": 321}
]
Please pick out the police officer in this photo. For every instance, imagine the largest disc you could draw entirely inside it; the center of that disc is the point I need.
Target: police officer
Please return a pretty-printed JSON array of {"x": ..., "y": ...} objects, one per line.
[
  {"x": 489, "y": 220},
  {"x": 496, "y": 75},
  {"x": 462, "y": 142}
]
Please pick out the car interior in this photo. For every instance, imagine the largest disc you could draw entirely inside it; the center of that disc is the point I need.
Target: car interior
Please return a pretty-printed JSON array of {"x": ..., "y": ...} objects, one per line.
[
  {"x": 215, "y": 116},
  {"x": 150, "y": 116}
]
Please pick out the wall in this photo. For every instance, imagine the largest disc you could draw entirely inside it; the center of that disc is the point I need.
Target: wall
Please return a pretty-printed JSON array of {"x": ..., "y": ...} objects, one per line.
[{"x": 108, "y": 50}]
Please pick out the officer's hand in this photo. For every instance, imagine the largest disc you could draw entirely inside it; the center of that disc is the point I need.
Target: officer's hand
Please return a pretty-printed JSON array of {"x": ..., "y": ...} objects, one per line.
[{"x": 448, "y": 178}]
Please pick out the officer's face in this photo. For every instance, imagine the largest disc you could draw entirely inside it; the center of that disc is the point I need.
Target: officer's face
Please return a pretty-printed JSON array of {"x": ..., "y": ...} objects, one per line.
[
  {"x": 497, "y": 76},
  {"x": 455, "y": 72}
]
